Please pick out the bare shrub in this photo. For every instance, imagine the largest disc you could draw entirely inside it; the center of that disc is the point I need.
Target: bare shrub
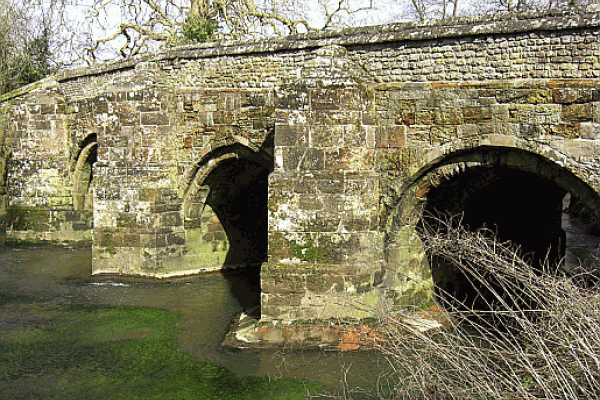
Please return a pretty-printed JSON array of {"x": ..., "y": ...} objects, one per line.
[{"x": 538, "y": 337}]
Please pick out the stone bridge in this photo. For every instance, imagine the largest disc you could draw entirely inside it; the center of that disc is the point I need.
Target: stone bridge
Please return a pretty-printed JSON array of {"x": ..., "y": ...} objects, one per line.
[{"x": 312, "y": 158}]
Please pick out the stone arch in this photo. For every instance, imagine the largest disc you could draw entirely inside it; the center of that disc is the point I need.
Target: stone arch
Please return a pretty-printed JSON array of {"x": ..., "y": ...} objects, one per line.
[
  {"x": 216, "y": 152},
  {"x": 226, "y": 216},
  {"x": 224, "y": 199},
  {"x": 487, "y": 165},
  {"x": 82, "y": 160},
  {"x": 496, "y": 150}
]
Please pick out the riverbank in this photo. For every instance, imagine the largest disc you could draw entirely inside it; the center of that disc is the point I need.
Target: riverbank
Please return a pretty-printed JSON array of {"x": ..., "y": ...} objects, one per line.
[{"x": 205, "y": 305}]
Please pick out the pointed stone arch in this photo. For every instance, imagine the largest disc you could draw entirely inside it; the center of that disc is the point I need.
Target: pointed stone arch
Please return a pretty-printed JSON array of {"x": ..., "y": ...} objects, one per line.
[
  {"x": 224, "y": 199},
  {"x": 82, "y": 163},
  {"x": 482, "y": 168}
]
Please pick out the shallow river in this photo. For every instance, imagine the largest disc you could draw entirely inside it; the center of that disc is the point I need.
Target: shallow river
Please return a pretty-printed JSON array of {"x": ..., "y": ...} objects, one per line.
[{"x": 206, "y": 304}]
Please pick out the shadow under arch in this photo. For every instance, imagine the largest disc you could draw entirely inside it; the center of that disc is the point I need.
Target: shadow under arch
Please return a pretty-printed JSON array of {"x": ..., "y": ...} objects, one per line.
[
  {"x": 82, "y": 161},
  {"x": 226, "y": 215},
  {"x": 514, "y": 194}
]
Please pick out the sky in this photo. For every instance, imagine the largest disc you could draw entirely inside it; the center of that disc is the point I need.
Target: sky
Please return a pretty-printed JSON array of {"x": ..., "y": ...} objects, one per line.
[{"x": 81, "y": 26}]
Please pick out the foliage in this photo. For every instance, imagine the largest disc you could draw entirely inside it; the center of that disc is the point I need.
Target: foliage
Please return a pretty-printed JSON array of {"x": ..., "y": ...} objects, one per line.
[
  {"x": 146, "y": 25},
  {"x": 25, "y": 55},
  {"x": 27, "y": 67},
  {"x": 422, "y": 10},
  {"x": 197, "y": 29}
]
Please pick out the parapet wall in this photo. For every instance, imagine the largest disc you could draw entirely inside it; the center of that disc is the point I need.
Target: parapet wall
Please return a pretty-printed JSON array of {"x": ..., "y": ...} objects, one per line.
[{"x": 433, "y": 51}]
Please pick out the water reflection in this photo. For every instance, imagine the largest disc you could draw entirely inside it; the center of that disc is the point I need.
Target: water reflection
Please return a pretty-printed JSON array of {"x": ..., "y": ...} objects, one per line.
[
  {"x": 244, "y": 285},
  {"x": 206, "y": 303}
]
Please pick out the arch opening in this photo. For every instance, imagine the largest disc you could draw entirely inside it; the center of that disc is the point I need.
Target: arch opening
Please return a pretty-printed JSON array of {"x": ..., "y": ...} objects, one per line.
[
  {"x": 505, "y": 205},
  {"x": 525, "y": 203},
  {"x": 512, "y": 206},
  {"x": 84, "y": 159},
  {"x": 237, "y": 195},
  {"x": 226, "y": 220}
]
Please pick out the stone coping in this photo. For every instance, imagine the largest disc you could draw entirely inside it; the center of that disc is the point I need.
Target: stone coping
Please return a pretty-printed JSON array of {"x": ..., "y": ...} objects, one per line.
[{"x": 501, "y": 23}]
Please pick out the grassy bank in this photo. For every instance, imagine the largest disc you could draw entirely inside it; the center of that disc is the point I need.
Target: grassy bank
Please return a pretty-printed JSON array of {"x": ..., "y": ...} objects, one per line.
[{"x": 74, "y": 351}]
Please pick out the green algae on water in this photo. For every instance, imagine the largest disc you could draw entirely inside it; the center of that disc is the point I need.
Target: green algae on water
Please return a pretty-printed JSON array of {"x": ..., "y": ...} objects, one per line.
[{"x": 74, "y": 351}]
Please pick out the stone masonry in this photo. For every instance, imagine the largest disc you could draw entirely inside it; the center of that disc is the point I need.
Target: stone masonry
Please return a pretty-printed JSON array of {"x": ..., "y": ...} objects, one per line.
[{"x": 312, "y": 154}]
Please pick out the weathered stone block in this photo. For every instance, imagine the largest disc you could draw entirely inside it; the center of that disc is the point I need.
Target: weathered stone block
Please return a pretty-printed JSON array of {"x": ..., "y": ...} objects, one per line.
[
  {"x": 349, "y": 159},
  {"x": 391, "y": 137},
  {"x": 325, "y": 99},
  {"x": 171, "y": 218},
  {"x": 291, "y": 135},
  {"x": 572, "y": 95},
  {"x": 477, "y": 114},
  {"x": 577, "y": 112},
  {"x": 589, "y": 130},
  {"x": 398, "y": 160},
  {"x": 570, "y": 131},
  {"x": 154, "y": 118},
  {"x": 327, "y": 183}
]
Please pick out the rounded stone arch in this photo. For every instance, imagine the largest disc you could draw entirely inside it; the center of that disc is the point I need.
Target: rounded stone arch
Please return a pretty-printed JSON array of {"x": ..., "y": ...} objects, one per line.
[
  {"x": 485, "y": 169},
  {"x": 83, "y": 158},
  {"x": 225, "y": 198}
]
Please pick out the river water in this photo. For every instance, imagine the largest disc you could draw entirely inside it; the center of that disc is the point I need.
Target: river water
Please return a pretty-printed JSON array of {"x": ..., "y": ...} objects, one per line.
[{"x": 206, "y": 304}]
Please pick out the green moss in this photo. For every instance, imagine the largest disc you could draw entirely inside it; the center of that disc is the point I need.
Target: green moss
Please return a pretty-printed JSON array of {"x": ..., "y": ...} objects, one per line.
[
  {"x": 539, "y": 97},
  {"x": 422, "y": 297},
  {"x": 25, "y": 242},
  {"x": 427, "y": 303},
  {"x": 126, "y": 220},
  {"x": 28, "y": 218},
  {"x": 276, "y": 199},
  {"x": 368, "y": 91},
  {"x": 102, "y": 352},
  {"x": 22, "y": 90},
  {"x": 309, "y": 252},
  {"x": 394, "y": 161},
  {"x": 111, "y": 250}
]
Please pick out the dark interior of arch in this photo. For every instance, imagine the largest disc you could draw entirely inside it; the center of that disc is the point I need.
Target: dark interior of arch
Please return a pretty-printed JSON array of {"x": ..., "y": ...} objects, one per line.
[
  {"x": 238, "y": 195},
  {"x": 513, "y": 206}
]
